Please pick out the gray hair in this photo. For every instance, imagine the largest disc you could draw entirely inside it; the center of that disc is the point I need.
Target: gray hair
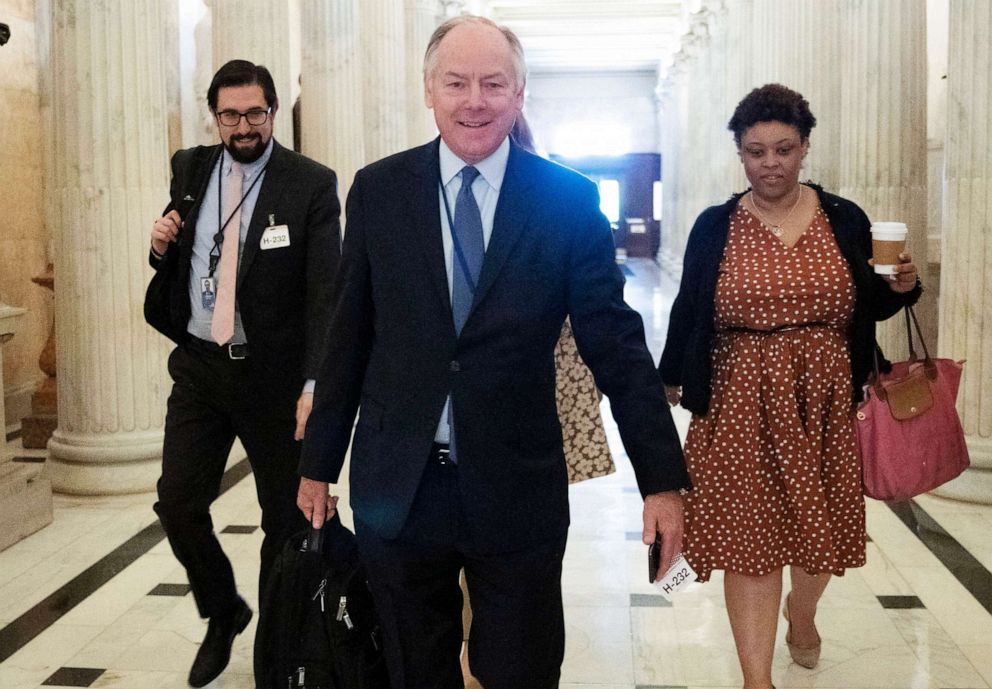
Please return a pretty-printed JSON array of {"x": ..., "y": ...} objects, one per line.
[{"x": 516, "y": 49}]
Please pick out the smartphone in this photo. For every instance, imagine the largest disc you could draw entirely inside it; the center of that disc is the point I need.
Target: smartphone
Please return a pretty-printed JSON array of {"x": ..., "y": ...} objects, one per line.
[{"x": 654, "y": 558}]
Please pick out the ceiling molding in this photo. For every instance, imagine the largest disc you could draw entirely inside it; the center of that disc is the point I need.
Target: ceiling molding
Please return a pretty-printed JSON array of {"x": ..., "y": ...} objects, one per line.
[{"x": 593, "y": 35}]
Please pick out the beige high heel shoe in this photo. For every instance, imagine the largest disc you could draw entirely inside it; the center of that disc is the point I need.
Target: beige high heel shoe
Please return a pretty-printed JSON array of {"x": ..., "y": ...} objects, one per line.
[{"x": 806, "y": 657}]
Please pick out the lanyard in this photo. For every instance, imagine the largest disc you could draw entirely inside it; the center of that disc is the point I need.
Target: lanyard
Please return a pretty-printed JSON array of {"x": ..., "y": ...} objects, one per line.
[
  {"x": 221, "y": 223},
  {"x": 459, "y": 252}
]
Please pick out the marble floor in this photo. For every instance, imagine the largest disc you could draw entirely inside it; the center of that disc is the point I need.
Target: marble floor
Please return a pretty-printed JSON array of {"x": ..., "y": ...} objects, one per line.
[{"x": 97, "y": 599}]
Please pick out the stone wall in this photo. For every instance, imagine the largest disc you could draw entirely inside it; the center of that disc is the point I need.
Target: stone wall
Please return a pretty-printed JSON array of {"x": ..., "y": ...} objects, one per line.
[{"x": 24, "y": 237}]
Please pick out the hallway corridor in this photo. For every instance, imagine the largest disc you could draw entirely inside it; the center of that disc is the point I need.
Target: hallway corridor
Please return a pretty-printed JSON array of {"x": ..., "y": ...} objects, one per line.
[{"x": 97, "y": 599}]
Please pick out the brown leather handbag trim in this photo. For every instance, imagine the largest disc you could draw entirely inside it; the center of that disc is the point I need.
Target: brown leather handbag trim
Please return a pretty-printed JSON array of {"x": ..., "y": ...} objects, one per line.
[{"x": 910, "y": 396}]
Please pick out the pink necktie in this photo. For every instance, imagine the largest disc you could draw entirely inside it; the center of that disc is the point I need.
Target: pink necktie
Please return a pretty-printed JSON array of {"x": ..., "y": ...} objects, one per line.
[{"x": 222, "y": 326}]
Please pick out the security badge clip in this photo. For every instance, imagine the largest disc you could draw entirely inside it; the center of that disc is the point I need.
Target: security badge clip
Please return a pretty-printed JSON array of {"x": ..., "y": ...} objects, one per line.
[{"x": 274, "y": 236}]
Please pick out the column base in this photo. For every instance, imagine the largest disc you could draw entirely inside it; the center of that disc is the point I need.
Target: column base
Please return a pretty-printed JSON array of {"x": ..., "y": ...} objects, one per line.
[
  {"x": 106, "y": 463},
  {"x": 670, "y": 264},
  {"x": 975, "y": 484}
]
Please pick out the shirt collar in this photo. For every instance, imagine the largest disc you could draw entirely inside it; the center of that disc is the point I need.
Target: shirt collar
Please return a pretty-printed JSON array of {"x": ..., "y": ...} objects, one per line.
[
  {"x": 249, "y": 170},
  {"x": 492, "y": 169}
]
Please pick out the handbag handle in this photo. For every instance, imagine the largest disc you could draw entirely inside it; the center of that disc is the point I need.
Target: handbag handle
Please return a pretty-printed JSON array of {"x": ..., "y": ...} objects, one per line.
[
  {"x": 928, "y": 362},
  {"x": 929, "y": 366}
]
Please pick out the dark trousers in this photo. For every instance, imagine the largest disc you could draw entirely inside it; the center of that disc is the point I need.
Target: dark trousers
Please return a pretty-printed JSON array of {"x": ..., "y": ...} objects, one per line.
[
  {"x": 518, "y": 634},
  {"x": 215, "y": 399}
]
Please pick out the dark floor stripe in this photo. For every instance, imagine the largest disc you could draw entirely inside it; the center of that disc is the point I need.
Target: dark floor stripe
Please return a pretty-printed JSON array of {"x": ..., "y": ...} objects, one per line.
[
  {"x": 958, "y": 561},
  {"x": 21, "y": 631},
  {"x": 900, "y": 602},
  {"x": 648, "y": 600},
  {"x": 14, "y": 434},
  {"x": 73, "y": 677},
  {"x": 178, "y": 590},
  {"x": 28, "y": 460},
  {"x": 239, "y": 529}
]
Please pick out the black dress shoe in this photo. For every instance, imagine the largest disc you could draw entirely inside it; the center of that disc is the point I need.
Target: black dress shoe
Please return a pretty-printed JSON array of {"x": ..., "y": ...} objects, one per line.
[{"x": 215, "y": 651}]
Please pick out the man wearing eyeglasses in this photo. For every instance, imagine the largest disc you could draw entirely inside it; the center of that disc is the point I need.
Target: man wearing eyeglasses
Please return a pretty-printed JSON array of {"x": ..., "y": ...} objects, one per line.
[{"x": 245, "y": 253}]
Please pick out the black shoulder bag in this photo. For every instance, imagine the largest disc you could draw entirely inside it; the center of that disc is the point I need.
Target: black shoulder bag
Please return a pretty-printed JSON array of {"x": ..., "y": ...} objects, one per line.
[{"x": 158, "y": 296}]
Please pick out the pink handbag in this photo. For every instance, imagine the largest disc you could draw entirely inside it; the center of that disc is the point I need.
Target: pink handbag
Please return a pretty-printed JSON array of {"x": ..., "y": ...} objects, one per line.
[{"x": 909, "y": 432}]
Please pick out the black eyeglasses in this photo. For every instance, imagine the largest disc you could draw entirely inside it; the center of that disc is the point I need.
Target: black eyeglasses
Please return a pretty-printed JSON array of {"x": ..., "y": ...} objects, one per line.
[{"x": 232, "y": 118}]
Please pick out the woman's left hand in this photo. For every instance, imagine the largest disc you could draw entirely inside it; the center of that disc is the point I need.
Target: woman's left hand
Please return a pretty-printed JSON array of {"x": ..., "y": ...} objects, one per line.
[{"x": 904, "y": 279}]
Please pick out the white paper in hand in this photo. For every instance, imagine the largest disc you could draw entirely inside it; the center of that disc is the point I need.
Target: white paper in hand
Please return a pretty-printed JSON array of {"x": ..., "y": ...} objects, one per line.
[{"x": 678, "y": 578}]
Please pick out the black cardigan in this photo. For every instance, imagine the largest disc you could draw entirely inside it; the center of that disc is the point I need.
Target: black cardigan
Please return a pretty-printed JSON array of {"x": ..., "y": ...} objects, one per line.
[{"x": 686, "y": 358}]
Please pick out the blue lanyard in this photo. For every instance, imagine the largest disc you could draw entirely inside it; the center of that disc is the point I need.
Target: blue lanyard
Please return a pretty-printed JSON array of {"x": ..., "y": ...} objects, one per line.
[{"x": 459, "y": 252}]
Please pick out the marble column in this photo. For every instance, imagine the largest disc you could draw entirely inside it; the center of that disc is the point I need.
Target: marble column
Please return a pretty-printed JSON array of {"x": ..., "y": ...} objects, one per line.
[
  {"x": 421, "y": 20},
  {"x": 883, "y": 138},
  {"x": 670, "y": 129},
  {"x": 112, "y": 383},
  {"x": 452, "y": 8},
  {"x": 697, "y": 151},
  {"x": 259, "y": 31},
  {"x": 384, "y": 74},
  {"x": 694, "y": 186},
  {"x": 807, "y": 35},
  {"x": 332, "y": 104},
  {"x": 734, "y": 37},
  {"x": 966, "y": 251}
]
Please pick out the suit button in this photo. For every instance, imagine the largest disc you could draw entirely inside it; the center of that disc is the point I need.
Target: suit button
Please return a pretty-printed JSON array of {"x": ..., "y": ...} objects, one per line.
[{"x": 454, "y": 367}]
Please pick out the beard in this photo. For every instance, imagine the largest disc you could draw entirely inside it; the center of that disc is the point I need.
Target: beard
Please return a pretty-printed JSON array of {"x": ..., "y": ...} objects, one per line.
[{"x": 246, "y": 153}]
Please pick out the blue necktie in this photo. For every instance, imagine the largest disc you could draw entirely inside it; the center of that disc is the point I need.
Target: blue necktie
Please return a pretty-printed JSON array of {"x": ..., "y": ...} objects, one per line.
[
  {"x": 468, "y": 249},
  {"x": 467, "y": 253}
]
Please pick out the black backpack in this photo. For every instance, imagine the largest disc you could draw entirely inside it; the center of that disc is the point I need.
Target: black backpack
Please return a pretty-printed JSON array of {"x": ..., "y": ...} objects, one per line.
[{"x": 318, "y": 628}]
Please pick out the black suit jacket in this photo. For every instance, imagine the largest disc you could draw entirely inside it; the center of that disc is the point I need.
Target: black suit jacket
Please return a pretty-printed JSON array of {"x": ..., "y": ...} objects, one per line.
[
  {"x": 394, "y": 351},
  {"x": 283, "y": 294}
]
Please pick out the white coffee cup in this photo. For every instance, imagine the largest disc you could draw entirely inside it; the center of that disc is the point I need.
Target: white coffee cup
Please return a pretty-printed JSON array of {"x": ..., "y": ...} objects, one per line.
[{"x": 888, "y": 240}]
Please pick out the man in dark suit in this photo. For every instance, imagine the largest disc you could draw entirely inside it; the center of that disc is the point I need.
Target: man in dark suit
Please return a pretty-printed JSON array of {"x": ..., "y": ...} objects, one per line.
[
  {"x": 250, "y": 241},
  {"x": 461, "y": 261}
]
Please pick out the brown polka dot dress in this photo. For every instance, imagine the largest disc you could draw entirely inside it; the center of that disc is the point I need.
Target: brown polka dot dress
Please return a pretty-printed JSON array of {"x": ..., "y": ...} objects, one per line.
[{"x": 774, "y": 462}]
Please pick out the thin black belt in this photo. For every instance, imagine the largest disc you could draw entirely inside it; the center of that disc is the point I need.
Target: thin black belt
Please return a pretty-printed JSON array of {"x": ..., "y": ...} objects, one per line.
[
  {"x": 773, "y": 331},
  {"x": 235, "y": 351}
]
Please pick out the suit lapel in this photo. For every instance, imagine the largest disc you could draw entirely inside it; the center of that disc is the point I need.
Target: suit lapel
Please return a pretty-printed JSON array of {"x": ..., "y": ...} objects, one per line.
[
  {"x": 512, "y": 210},
  {"x": 188, "y": 235},
  {"x": 426, "y": 215},
  {"x": 268, "y": 196}
]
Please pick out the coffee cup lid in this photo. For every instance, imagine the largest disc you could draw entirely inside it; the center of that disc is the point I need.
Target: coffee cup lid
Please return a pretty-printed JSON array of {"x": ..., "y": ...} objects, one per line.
[{"x": 888, "y": 226}]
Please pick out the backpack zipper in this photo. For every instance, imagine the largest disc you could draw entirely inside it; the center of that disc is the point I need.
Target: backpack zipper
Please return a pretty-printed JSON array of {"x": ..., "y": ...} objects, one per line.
[
  {"x": 320, "y": 592},
  {"x": 343, "y": 613}
]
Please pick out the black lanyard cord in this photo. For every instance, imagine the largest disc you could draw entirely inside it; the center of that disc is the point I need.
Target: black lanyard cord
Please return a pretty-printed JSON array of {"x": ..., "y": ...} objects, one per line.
[{"x": 219, "y": 237}]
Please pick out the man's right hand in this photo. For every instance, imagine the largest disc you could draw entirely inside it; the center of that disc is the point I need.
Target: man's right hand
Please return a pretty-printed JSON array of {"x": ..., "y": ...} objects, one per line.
[
  {"x": 315, "y": 503},
  {"x": 164, "y": 231}
]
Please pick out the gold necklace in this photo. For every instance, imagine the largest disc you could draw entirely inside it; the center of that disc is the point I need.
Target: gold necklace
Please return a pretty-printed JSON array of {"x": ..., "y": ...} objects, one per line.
[{"x": 776, "y": 228}]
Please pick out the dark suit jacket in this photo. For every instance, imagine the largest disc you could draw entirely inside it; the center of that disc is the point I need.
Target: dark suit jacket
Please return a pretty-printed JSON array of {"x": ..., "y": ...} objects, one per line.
[
  {"x": 283, "y": 294},
  {"x": 394, "y": 351}
]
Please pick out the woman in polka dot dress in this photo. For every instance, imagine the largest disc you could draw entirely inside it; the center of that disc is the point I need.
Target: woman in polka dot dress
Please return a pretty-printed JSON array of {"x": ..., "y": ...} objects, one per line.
[{"x": 770, "y": 342}]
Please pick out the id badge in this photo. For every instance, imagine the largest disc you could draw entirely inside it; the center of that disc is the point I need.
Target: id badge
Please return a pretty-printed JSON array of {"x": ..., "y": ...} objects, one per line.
[
  {"x": 678, "y": 577},
  {"x": 275, "y": 237},
  {"x": 208, "y": 292}
]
